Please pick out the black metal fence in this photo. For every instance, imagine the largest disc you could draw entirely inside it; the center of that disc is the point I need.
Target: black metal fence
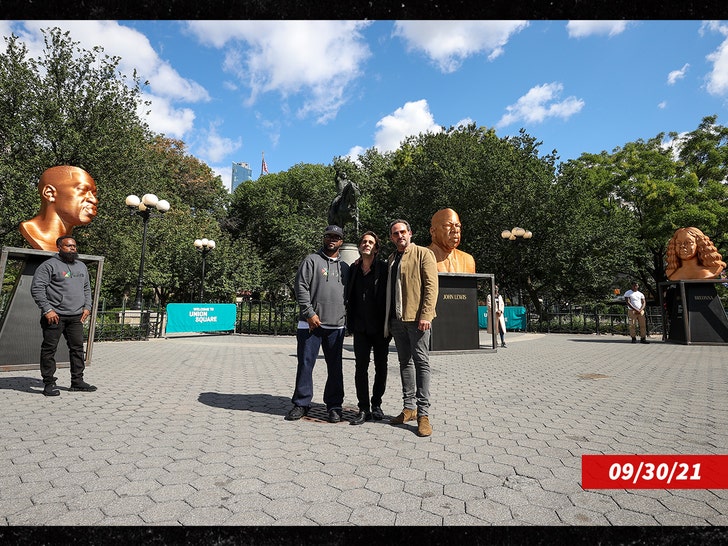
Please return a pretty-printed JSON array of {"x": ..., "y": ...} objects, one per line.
[
  {"x": 117, "y": 323},
  {"x": 596, "y": 319}
]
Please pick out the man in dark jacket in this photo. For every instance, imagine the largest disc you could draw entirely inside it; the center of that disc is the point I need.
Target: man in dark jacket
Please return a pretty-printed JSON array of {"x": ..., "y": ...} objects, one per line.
[
  {"x": 62, "y": 290},
  {"x": 366, "y": 305},
  {"x": 320, "y": 290}
]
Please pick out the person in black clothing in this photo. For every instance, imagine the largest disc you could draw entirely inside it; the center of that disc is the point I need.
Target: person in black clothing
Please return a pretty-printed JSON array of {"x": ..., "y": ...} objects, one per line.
[{"x": 366, "y": 303}]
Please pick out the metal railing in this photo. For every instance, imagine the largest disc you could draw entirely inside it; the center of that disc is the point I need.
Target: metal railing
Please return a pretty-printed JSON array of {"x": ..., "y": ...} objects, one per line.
[
  {"x": 594, "y": 321},
  {"x": 266, "y": 318}
]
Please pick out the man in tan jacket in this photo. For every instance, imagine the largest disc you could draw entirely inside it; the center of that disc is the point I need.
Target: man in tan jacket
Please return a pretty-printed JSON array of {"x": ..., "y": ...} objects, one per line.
[{"x": 412, "y": 288}]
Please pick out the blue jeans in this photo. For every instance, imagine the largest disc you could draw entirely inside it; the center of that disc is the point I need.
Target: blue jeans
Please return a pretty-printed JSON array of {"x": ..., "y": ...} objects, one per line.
[
  {"x": 309, "y": 343},
  {"x": 413, "y": 350},
  {"x": 70, "y": 327}
]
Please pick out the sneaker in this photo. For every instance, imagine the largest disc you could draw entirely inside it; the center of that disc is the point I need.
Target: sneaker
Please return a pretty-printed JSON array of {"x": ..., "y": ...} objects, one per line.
[
  {"x": 334, "y": 415},
  {"x": 296, "y": 413},
  {"x": 360, "y": 417},
  {"x": 51, "y": 390},
  {"x": 643, "y": 340},
  {"x": 377, "y": 413},
  {"x": 424, "y": 428},
  {"x": 503, "y": 345},
  {"x": 406, "y": 415},
  {"x": 82, "y": 386}
]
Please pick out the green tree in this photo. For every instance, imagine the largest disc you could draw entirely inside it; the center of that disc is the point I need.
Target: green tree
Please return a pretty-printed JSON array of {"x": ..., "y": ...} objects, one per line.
[
  {"x": 283, "y": 215},
  {"x": 661, "y": 190}
]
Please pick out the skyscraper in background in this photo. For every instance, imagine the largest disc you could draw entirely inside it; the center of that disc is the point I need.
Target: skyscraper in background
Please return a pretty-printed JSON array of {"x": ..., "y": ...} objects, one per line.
[{"x": 241, "y": 173}]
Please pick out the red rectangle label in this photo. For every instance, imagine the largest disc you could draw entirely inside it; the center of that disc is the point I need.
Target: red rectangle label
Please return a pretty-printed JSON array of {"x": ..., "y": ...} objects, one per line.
[{"x": 654, "y": 471}]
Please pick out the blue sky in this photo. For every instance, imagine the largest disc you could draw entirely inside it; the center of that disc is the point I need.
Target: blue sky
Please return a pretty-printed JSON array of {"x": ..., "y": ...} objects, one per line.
[{"x": 308, "y": 91}]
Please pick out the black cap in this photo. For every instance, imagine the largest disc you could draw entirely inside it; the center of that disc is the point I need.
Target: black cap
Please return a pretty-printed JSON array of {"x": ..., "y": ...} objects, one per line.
[{"x": 334, "y": 230}]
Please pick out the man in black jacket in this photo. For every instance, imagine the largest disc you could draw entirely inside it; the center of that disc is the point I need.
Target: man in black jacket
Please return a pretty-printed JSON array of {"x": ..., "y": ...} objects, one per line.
[{"x": 366, "y": 305}]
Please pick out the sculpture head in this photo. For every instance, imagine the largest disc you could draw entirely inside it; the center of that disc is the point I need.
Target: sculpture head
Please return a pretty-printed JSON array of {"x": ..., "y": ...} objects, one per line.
[
  {"x": 68, "y": 199},
  {"x": 691, "y": 246},
  {"x": 445, "y": 229},
  {"x": 70, "y": 192}
]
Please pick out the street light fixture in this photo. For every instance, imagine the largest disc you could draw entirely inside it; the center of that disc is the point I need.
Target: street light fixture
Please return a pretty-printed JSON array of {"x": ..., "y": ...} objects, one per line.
[
  {"x": 518, "y": 234},
  {"x": 205, "y": 246},
  {"x": 144, "y": 207}
]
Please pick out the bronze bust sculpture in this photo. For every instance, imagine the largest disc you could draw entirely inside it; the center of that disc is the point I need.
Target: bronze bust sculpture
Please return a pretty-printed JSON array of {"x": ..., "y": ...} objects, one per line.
[
  {"x": 68, "y": 199},
  {"x": 445, "y": 230},
  {"x": 692, "y": 255}
]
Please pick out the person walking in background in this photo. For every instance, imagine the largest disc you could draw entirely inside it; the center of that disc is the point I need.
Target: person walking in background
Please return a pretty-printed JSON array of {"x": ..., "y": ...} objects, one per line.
[
  {"x": 412, "y": 288},
  {"x": 320, "y": 289},
  {"x": 62, "y": 290},
  {"x": 366, "y": 306},
  {"x": 496, "y": 313},
  {"x": 636, "y": 303}
]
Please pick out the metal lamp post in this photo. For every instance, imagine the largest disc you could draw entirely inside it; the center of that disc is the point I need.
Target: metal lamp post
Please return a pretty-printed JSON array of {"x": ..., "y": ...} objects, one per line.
[
  {"x": 519, "y": 235},
  {"x": 144, "y": 207},
  {"x": 204, "y": 246}
]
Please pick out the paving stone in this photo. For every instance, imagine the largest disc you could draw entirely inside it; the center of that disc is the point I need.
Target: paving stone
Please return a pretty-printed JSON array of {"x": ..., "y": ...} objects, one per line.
[{"x": 506, "y": 450}]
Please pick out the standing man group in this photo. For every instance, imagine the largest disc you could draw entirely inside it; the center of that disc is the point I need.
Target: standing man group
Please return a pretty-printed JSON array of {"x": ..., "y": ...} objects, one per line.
[
  {"x": 395, "y": 299},
  {"x": 636, "y": 303},
  {"x": 62, "y": 290}
]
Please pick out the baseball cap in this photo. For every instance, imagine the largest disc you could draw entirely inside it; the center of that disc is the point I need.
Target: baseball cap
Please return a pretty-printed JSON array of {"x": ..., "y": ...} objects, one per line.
[{"x": 334, "y": 230}]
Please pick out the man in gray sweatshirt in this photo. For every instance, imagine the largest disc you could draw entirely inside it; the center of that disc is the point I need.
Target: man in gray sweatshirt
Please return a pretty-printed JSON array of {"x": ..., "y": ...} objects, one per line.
[
  {"x": 320, "y": 288},
  {"x": 62, "y": 290}
]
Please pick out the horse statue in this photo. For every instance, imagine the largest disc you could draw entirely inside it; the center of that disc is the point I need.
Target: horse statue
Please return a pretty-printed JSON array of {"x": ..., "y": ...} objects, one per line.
[{"x": 344, "y": 208}]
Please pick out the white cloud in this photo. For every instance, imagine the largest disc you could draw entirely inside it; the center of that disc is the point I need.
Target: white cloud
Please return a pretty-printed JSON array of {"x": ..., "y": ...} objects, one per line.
[
  {"x": 582, "y": 29},
  {"x": 317, "y": 59},
  {"x": 165, "y": 84},
  {"x": 676, "y": 75},
  {"x": 164, "y": 118},
  {"x": 449, "y": 43},
  {"x": 410, "y": 120},
  {"x": 718, "y": 77},
  {"x": 226, "y": 173},
  {"x": 539, "y": 104},
  {"x": 662, "y": 105},
  {"x": 355, "y": 152},
  {"x": 217, "y": 147}
]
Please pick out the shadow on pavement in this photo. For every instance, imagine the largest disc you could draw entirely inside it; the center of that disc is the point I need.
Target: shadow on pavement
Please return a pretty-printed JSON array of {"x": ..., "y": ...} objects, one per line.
[
  {"x": 22, "y": 384},
  {"x": 275, "y": 405}
]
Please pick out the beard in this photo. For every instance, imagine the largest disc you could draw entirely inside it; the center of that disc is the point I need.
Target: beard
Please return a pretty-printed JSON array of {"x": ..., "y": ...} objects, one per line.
[{"x": 68, "y": 257}]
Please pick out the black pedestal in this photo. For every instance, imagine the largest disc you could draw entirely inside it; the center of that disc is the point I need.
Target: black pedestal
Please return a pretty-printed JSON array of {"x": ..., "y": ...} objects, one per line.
[
  {"x": 20, "y": 331},
  {"x": 456, "y": 325},
  {"x": 694, "y": 312}
]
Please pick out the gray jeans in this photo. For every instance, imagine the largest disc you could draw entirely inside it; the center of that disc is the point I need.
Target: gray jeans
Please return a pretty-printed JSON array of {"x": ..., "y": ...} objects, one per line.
[{"x": 413, "y": 350}]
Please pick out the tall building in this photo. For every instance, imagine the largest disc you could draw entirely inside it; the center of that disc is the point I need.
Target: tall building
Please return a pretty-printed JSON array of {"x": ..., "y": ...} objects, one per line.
[{"x": 241, "y": 173}]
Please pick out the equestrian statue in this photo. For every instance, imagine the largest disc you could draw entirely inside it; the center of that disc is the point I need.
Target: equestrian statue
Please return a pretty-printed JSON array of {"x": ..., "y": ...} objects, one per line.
[{"x": 344, "y": 208}]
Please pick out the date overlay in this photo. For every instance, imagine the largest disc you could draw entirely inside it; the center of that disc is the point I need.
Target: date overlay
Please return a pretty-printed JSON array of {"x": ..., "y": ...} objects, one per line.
[{"x": 654, "y": 471}]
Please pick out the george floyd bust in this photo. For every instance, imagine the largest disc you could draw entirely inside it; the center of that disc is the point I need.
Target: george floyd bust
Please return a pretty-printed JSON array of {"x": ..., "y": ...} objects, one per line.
[
  {"x": 692, "y": 255},
  {"x": 445, "y": 230},
  {"x": 68, "y": 199}
]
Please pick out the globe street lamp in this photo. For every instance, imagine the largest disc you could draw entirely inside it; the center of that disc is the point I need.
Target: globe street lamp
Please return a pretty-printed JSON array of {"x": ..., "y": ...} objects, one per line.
[
  {"x": 204, "y": 246},
  {"x": 144, "y": 207},
  {"x": 519, "y": 235}
]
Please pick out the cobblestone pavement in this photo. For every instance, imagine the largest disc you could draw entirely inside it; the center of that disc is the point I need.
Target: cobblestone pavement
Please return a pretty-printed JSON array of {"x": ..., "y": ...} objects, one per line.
[{"x": 190, "y": 431}]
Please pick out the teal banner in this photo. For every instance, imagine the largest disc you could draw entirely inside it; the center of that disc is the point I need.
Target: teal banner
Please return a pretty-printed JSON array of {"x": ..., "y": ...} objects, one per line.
[
  {"x": 200, "y": 317},
  {"x": 515, "y": 317}
]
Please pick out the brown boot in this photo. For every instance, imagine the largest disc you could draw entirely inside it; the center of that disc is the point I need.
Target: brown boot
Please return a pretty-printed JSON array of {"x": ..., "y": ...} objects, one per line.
[
  {"x": 406, "y": 415},
  {"x": 424, "y": 428}
]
